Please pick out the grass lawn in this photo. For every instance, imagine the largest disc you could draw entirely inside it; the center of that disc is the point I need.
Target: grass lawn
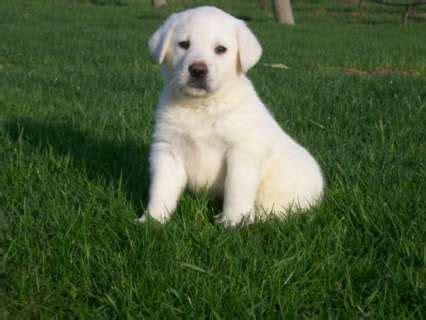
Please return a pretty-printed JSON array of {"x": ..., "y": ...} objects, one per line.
[{"x": 77, "y": 93}]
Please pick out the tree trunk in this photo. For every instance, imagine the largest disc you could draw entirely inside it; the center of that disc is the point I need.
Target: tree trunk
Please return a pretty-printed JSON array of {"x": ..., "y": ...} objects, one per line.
[
  {"x": 283, "y": 12},
  {"x": 405, "y": 15},
  {"x": 159, "y": 3}
]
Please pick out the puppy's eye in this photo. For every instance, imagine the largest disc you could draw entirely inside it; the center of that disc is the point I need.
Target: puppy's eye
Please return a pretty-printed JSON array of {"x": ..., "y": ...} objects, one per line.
[
  {"x": 220, "y": 49},
  {"x": 184, "y": 44}
]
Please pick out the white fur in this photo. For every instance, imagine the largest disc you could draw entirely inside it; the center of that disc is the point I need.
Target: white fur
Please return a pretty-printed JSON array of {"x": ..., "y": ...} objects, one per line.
[{"x": 221, "y": 137}]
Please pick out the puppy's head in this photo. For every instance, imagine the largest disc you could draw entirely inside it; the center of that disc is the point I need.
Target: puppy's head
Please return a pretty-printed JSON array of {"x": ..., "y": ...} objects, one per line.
[{"x": 203, "y": 50}]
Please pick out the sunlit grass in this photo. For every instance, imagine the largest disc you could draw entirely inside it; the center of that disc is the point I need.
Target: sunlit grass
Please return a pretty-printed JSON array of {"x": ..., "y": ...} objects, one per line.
[{"x": 77, "y": 92}]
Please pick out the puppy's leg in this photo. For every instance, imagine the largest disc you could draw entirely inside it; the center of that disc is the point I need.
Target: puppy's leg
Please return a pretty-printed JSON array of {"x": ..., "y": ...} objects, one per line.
[
  {"x": 168, "y": 179},
  {"x": 241, "y": 183}
]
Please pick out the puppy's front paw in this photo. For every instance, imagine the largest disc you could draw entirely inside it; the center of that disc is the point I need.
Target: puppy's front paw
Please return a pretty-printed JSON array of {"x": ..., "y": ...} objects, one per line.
[
  {"x": 142, "y": 219},
  {"x": 161, "y": 218},
  {"x": 232, "y": 220},
  {"x": 227, "y": 220}
]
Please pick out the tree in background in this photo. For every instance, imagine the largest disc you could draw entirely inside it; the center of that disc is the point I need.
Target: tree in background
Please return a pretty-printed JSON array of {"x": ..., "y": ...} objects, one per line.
[
  {"x": 159, "y": 3},
  {"x": 283, "y": 12}
]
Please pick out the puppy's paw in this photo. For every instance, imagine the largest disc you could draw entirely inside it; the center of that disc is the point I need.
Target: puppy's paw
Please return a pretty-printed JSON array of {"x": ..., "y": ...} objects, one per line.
[
  {"x": 227, "y": 220},
  {"x": 143, "y": 218},
  {"x": 147, "y": 217}
]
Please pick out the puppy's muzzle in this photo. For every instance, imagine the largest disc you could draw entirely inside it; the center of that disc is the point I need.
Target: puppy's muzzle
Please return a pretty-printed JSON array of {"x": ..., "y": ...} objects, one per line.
[{"x": 198, "y": 70}]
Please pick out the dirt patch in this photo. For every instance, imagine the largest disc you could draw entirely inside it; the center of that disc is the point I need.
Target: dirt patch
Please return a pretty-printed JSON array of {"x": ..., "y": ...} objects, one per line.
[
  {"x": 5, "y": 65},
  {"x": 381, "y": 71}
]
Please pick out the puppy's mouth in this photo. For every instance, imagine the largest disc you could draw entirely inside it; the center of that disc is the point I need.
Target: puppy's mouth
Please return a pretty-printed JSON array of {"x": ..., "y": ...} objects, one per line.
[
  {"x": 196, "y": 87},
  {"x": 200, "y": 84}
]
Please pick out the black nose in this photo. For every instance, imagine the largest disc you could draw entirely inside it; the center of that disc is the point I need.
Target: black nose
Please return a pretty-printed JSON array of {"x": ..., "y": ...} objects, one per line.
[{"x": 198, "y": 70}]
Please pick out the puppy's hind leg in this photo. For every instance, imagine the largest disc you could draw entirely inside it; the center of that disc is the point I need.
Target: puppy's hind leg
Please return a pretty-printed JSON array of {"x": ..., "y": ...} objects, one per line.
[
  {"x": 288, "y": 188},
  {"x": 168, "y": 179}
]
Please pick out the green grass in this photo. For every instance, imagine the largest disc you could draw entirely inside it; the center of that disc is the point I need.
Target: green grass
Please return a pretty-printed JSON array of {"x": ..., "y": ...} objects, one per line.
[{"x": 77, "y": 92}]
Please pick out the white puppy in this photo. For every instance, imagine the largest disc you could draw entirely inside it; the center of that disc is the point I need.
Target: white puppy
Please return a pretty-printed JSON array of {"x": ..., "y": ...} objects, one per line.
[{"x": 211, "y": 129}]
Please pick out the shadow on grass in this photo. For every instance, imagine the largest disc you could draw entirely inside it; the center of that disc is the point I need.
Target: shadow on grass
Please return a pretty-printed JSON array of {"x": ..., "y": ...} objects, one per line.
[
  {"x": 119, "y": 3},
  {"x": 100, "y": 158}
]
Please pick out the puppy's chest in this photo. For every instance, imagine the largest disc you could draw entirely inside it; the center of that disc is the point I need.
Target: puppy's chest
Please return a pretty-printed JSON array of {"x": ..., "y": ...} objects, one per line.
[{"x": 203, "y": 148}]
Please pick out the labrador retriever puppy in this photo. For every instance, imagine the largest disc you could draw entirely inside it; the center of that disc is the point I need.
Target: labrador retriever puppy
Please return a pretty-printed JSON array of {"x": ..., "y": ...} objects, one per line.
[{"x": 211, "y": 129}]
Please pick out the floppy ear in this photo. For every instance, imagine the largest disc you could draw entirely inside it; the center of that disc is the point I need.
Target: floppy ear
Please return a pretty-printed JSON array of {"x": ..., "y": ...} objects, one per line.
[
  {"x": 160, "y": 40},
  {"x": 249, "y": 48}
]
